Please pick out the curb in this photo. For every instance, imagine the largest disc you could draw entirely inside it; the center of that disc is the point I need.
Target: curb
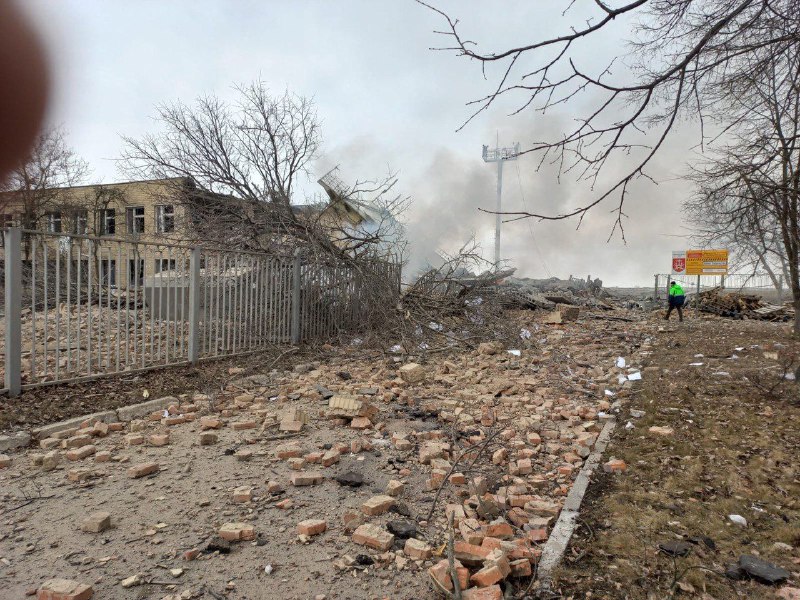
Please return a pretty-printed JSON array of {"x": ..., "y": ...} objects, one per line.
[
  {"x": 20, "y": 439},
  {"x": 556, "y": 545}
]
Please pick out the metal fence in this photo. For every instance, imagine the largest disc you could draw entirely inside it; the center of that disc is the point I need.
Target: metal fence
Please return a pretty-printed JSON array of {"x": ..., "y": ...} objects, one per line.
[
  {"x": 735, "y": 282},
  {"x": 81, "y": 306}
]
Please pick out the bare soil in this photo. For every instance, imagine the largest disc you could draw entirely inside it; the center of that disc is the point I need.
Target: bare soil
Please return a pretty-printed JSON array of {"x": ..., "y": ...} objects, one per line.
[
  {"x": 51, "y": 403},
  {"x": 734, "y": 451},
  {"x": 539, "y": 406}
]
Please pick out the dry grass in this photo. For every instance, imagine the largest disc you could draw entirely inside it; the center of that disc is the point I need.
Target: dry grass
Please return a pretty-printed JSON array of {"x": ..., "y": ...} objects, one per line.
[{"x": 734, "y": 451}]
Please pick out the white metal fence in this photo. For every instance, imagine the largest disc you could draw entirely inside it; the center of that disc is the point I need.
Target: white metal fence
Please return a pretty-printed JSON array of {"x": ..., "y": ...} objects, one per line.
[
  {"x": 81, "y": 306},
  {"x": 747, "y": 283}
]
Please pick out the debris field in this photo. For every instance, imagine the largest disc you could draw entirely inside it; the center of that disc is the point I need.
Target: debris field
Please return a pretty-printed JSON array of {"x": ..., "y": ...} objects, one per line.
[{"x": 334, "y": 480}]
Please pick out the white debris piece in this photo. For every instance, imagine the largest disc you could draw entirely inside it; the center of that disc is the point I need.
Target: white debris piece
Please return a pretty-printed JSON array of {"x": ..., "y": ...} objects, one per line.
[{"x": 738, "y": 519}]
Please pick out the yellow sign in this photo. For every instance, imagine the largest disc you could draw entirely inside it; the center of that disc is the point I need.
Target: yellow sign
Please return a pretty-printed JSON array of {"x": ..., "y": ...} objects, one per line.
[{"x": 706, "y": 262}]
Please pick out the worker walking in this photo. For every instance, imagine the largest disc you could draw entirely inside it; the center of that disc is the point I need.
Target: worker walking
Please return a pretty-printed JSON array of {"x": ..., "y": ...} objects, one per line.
[{"x": 676, "y": 300}]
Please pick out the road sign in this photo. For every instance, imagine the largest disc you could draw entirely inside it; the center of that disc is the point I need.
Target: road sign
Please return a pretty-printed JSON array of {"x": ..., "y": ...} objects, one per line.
[
  {"x": 679, "y": 263},
  {"x": 700, "y": 262}
]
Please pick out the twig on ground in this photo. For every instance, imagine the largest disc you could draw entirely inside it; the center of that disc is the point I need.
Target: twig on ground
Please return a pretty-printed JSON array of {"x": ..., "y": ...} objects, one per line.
[
  {"x": 451, "y": 564},
  {"x": 479, "y": 448}
]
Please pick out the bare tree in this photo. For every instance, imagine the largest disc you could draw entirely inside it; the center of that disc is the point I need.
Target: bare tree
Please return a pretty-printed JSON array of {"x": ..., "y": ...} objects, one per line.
[
  {"x": 235, "y": 167},
  {"x": 685, "y": 57},
  {"x": 752, "y": 185},
  {"x": 32, "y": 187},
  {"x": 243, "y": 158}
]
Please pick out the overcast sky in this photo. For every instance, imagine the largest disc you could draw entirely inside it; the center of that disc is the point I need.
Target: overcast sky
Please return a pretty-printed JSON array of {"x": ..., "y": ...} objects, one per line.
[{"x": 385, "y": 101}]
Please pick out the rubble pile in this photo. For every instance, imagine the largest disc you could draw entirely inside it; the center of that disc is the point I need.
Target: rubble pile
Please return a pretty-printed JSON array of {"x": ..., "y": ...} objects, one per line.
[
  {"x": 544, "y": 294},
  {"x": 741, "y": 306},
  {"x": 335, "y": 480}
]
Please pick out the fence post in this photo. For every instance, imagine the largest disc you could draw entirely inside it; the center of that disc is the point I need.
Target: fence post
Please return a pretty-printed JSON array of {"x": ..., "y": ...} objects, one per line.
[
  {"x": 13, "y": 316},
  {"x": 296, "y": 287},
  {"x": 194, "y": 306},
  {"x": 655, "y": 287}
]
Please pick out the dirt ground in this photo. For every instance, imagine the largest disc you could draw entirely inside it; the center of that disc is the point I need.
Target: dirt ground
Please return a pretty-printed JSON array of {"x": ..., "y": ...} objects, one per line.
[
  {"x": 51, "y": 403},
  {"x": 734, "y": 450},
  {"x": 528, "y": 418},
  {"x": 514, "y": 427}
]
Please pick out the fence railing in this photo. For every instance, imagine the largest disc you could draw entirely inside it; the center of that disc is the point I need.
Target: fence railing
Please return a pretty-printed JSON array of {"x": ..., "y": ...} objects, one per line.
[
  {"x": 82, "y": 306},
  {"x": 734, "y": 282}
]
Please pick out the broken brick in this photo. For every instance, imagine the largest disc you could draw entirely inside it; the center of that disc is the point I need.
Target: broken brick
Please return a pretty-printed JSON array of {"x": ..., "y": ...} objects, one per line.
[
  {"x": 96, "y": 522},
  {"x": 377, "y": 505},
  {"x": 237, "y": 532},
  {"x": 441, "y": 573},
  {"x": 394, "y": 488},
  {"x": 64, "y": 589},
  {"x": 417, "y": 549},
  {"x": 311, "y": 527},
  {"x": 302, "y": 478},
  {"x": 242, "y": 494},
  {"x": 493, "y": 592},
  {"x": 159, "y": 439},
  {"x": 138, "y": 471},
  {"x": 373, "y": 536}
]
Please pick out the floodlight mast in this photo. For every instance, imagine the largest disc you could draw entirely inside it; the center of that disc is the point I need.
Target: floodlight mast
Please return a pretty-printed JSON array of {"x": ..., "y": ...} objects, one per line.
[{"x": 499, "y": 155}]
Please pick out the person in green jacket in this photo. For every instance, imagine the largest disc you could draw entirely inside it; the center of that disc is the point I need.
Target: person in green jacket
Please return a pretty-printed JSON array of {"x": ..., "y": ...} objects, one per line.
[{"x": 676, "y": 300}]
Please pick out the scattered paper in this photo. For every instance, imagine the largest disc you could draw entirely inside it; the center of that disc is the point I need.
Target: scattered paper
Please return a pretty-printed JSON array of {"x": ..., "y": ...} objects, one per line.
[
  {"x": 637, "y": 376},
  {"x": 610, "y": 393},
  {"x": 515, "y": 352},
  {"x": 697, "y": 364},
  {"x": 621, "y": 362}
]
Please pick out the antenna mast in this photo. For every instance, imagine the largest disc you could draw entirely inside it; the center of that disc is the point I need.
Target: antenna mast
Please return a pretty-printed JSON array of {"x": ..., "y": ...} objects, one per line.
[{"x": 499, "y": 155}]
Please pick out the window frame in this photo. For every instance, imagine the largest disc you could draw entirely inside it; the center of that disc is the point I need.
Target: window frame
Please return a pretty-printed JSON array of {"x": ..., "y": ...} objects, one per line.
[
  {"x": 80, "y": 217},
  {"x": 133, "y": 219},
  {"x": 158, "y": 266},
  {"x": 108, "y": 272},
  {"x": 161, "y": 218},
  {"x": 54, "y": 221},
  {"x": 104, "y": 214}
]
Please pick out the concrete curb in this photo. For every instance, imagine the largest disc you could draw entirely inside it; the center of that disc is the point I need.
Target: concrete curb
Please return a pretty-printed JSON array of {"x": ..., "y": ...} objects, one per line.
[
  {"x": 20, "y": 439},
  {"x": 556, "y": 545}
]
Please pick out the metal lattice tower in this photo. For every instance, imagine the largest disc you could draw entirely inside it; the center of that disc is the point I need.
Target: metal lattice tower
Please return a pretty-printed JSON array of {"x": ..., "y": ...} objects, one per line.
[{"x": 499, "y": 155}]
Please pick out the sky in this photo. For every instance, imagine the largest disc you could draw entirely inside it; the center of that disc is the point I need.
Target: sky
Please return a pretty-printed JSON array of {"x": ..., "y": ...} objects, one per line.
[{"x": 386, "y": 102}]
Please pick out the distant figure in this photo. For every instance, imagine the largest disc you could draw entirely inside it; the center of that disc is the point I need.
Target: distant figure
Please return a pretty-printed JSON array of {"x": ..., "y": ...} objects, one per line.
[{"x": 676, "y": 300}]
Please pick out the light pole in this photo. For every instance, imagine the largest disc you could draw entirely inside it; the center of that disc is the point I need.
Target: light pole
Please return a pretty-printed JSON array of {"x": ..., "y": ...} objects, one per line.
[{"x": 499, "y": 155}]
